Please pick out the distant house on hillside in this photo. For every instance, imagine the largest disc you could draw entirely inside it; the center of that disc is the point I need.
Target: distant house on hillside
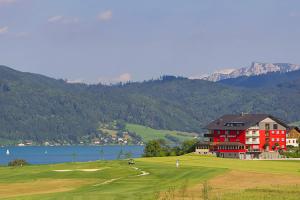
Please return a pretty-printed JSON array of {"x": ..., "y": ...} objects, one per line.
[
  {"x": 293, "y": 136},
  {"x": 245, "y": 136}
]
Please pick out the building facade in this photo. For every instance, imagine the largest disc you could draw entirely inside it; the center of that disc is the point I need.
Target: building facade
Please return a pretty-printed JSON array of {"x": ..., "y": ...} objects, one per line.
[
  {"x": 245, "y": 136},
  {"x": 293, "y": 137}
]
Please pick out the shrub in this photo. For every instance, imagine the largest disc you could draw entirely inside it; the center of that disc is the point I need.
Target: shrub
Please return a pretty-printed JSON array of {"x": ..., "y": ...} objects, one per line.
[{"x": 18, "y": 163}]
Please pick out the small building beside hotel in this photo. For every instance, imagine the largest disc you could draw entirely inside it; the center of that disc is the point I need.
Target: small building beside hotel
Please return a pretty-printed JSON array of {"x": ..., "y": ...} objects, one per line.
[
  {"x": 244, "y": 136},
  {"x": 293, "y": 136}
]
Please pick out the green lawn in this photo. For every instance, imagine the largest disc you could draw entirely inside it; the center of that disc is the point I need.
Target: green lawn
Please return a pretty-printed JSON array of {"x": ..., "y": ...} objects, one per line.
[
  {"x": 148, "y": 133},
  {"x": 117, "y": 180}
]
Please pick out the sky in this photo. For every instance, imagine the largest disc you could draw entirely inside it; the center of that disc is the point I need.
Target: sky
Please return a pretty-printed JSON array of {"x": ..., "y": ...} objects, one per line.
[{"x": 110, "y": 41}]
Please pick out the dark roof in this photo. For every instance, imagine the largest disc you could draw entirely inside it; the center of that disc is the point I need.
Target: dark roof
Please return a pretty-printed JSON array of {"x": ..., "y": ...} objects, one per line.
[
  {"x": 240, "y": 121},
  {"x": 294, "y": 127}
]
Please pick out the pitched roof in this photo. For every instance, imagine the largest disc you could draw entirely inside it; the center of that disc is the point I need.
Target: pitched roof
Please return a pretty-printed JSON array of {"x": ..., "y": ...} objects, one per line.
[
  {"x": 240, "y": 121},
  {"x": 293, "y": 132},
  {"x": 294, "y": 127}
]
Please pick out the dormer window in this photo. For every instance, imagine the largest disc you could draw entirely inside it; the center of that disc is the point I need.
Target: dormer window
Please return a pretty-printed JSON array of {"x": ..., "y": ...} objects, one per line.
[{"x": 234, "y": 124}]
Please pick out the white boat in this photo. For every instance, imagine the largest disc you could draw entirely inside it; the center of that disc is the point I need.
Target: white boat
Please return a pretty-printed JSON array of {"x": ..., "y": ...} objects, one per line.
[{"x": 7, "y": 152}]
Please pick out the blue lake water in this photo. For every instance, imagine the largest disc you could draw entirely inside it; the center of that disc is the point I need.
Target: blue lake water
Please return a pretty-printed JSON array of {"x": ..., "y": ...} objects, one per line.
[{"x": 60, "y": 154}]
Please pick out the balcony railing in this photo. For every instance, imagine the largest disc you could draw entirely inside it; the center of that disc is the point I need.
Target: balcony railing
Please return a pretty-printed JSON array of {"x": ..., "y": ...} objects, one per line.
[
  {"x": 252, "y": 142},
  {"x": 255, "y": 134}
]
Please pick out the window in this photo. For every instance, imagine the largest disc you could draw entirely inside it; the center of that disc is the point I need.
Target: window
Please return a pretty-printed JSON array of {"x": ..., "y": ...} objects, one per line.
[
  {"x": 282, "y": 139},
  {"x": 267, "y": 126},
  {"x": 273, "y": 139},
  {"x": 275, "y": 126},
  {"x": 277, "y": 132},
  {"x": 267, "y": 134},
  {"x": 219, "y": 132},
  {"x": 282, "y": 132},
  {"x": 277, "y": 140},
  {"x": 282, "y": 146}
]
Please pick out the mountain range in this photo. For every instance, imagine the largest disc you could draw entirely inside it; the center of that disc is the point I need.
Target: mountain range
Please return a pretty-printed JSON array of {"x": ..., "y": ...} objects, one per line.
[
  {"x": 36, "y": 107},
  {"x": 255, "y": 69}
]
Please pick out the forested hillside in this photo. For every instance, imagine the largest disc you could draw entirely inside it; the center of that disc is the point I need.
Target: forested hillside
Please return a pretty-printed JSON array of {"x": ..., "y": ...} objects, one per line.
[{"x": 39, "y": 108}]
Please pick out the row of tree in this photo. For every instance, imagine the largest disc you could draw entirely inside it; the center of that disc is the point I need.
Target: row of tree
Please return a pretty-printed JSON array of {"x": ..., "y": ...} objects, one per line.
[{"x": 159, "y": 148}]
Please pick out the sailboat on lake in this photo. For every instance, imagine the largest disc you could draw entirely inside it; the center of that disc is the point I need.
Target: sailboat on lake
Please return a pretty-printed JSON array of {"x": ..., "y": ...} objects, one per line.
[{"x": 7, "y": 152}]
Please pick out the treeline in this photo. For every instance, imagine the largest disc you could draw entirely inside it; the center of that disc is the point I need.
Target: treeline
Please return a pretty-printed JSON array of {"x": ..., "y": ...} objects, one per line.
[{"x": 159, "y": 148}]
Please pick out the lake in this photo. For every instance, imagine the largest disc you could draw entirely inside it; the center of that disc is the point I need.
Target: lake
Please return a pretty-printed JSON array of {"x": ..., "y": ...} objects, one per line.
[{"x": 60, "y": 154}]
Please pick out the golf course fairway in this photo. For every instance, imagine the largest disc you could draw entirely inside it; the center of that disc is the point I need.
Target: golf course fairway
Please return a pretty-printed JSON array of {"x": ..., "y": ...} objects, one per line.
[{"x": 197, "y": 177}]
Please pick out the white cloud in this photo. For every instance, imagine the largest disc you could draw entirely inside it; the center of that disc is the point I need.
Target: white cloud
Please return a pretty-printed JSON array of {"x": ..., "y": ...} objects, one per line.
[
  {"x": 79, "y": 80},
  {"x": 3, "y": 30},
  {"x": 294, "y": 14},
  {"x": 55, "y": 18},
  {"x": 5, "y": 2},
  {"x": 123, "y": 78},
  {"x": 63, "y": 19},
  {"x": 105, "y": 16}
]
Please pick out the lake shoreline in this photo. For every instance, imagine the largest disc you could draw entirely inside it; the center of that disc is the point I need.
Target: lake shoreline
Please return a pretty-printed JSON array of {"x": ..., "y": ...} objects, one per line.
[{"x": 63, "y": 154}]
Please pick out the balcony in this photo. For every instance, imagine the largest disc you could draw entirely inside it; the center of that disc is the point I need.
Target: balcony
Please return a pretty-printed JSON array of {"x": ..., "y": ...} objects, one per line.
[
  {"x": 252, "y": 142},
  {"x": 252, "y": 134}
]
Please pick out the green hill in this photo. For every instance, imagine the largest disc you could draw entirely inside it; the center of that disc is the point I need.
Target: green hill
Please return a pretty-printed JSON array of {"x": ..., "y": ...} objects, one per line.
[{"x": 39, "y": 108}]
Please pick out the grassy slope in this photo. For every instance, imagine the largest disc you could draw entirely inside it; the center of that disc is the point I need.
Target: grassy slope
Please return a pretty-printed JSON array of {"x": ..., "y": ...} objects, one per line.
[
  {"x": 148, "y": 133},
  {"x": 163, "y": 176}
]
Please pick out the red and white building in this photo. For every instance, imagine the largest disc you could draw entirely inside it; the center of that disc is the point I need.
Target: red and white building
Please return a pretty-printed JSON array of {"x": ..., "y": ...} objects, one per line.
[{"x": 244, "y": 136}]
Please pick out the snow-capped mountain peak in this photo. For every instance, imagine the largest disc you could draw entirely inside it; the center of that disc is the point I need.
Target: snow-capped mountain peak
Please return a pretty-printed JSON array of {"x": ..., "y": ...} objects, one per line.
[{"x": 256, "y": 68}]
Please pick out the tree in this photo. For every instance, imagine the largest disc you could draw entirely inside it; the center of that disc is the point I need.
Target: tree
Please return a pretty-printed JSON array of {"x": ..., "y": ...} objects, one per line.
[
  {"x": 156, "y": 148},
  {"x": 188, "y": 146}
]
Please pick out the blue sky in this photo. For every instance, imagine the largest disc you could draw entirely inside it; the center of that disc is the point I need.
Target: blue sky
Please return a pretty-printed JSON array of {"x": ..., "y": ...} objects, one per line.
[{"x": 109, "y": 40}]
